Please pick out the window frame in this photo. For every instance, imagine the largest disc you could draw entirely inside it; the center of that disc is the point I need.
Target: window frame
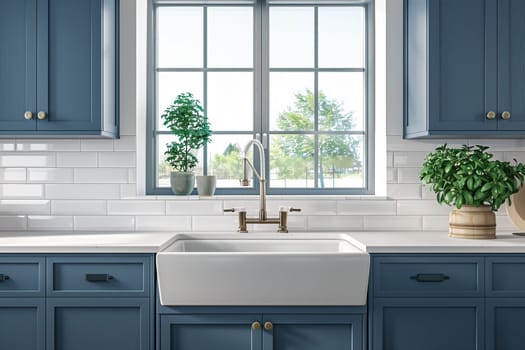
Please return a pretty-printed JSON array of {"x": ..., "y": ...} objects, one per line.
[{"x": 261, "y": 100}]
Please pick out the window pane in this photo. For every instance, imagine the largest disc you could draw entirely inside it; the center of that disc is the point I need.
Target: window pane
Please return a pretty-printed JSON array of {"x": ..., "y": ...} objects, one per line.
[
  {"x": 230, "y": 101},
  {"x": 163, "y": 168},
  {"x": 224, "y": 158},
  {"x": 341, "y": 101},
  {"x": 180, "y": 37},
  {"x": 291, "y": 37},
  {"x": 230, "y": 37},
  {"x": 341, "y": 37},
  {"x": 170, "y": 84},
  {"x": 291, "y": 101},
  {"x": 341, "y": 161},
  {"x": 292, "y": 161}
]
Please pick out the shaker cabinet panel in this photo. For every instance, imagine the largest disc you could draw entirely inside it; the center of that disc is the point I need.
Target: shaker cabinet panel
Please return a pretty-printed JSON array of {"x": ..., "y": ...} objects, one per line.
[{"x": 22, "y": 324}]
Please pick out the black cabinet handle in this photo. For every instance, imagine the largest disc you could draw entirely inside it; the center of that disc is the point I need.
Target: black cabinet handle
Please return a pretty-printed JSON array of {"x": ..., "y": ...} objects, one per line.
[
  {"x": 98, "y": 277},
  {"x": 3, "y": 277},
  {"x": 430, "y": 277}
]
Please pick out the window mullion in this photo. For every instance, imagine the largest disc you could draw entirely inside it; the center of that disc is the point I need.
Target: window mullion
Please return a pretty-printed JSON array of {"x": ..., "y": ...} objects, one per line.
[{"x": 316, "y": 97}]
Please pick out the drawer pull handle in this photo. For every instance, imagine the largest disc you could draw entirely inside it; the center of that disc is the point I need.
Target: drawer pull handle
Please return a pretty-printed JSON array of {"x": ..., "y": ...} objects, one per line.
[
  {"x": 430, "y": 277},
  {"x": 98, "y": 277},
  {"x": 3, "y": 277}
]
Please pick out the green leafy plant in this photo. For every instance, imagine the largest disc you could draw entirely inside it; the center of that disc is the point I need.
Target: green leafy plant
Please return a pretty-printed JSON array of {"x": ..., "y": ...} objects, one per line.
[
  {"x": 186, "y": 120},
  {"x": 469, "y": 176}
]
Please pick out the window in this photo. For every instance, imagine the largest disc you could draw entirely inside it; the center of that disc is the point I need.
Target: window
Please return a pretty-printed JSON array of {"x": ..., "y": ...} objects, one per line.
[{"x": 294, "y": 74}]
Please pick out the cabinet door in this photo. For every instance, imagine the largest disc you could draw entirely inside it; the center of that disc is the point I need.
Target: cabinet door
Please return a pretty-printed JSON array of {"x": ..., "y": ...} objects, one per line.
[
  {"x": 313, "y": 332},
  {"x": 69, "y": 65},
  {"x": 210, "y": 332},
  {"x": 22, "y": 324},
  {"x": 511, "y": 68},
  {"x": 462, "y": 84},
  {"x": 17, "y": 63},
  {"x": 505, "y": 318},
  {"x": 432, "y": 324},
  {"x": 99, "y": 324}
]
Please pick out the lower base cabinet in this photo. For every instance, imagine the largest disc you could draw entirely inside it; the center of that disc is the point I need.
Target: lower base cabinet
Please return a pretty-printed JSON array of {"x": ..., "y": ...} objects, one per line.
[
  {"x": 505, "y": 320},
  {"x": 22, "y": 323},
  {"x": 412, "y": 324},
  {"x": 98, "y": 324},
  {"x": 262, "y": 332}
]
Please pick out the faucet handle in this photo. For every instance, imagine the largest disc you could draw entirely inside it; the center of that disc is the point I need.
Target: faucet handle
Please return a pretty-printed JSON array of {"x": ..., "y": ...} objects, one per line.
[
  {"x": 288, "y": 209},
  {"x": 295, "y": 209},
  {"x": 229, "y": 210},
  {"x": 235, "y": 210}
]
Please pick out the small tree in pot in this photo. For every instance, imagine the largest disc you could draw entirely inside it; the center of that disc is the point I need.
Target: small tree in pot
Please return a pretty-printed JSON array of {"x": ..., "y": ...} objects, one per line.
[
  {"x": 186, "y": 120},
  {"x": 476, "y": 185}
]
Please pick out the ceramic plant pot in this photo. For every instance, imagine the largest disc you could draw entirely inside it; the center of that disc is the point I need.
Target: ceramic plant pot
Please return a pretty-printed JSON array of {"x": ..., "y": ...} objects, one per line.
[
  {"x": 472, "y": 222},
  {"x": 182, "y": 183},
  {"x": 206, "y": 185}
]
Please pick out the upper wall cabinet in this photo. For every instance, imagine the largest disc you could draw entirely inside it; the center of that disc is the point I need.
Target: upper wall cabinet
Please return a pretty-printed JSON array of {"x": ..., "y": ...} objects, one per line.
[
  {"x": 464, "y": 68},
  {"x": 58, "y": 68}
]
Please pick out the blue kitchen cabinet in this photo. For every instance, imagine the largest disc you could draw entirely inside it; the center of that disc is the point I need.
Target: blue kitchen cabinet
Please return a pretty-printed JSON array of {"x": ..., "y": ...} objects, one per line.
[
  {"x": 505, "y": 318},
  {"x": 22, "y": 323},
  {"x": 205, "y": 332},
  {"x": 313, "y": 332},
  {"x": 261, "y": 328},
  {"x": 463, "y": 68},
  {"x": 58, "y": 68},
  {"x": 433, "y": 324},
  {"x": 98, "y": 323}
]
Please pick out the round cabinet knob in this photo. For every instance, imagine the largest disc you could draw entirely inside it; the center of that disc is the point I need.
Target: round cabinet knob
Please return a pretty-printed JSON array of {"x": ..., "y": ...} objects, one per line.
[
  {"x": 268, "y": 326},
  {"x": 256, "y": 326},
  {"x": 505, "y": 115},
  {"x": 491, "y": 115},
  {"x": 41, "y": 115},
  {"x": 28, "y": 115}
]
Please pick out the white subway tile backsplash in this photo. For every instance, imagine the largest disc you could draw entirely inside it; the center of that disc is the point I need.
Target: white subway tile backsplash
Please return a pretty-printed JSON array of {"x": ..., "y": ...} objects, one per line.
[
  {"x": 389, "y": 159},
  {"x": 13, "y": 175},
  {"x": 125, "y": 143},
  {"x": 409, "y": 159},
  {"x": 408, "y": 175},
  {"x": 366, "y": 207},
  {"x": 343, "y": 223},
  {"x": 223, "y": 223},
  {"x": 435, "y": 223},
  {"x": 7, "y": 146},
  {"x": 116, "y": 159},
  {"x": 96, "y": 145},
  {"x": 194, "y": 207},
  {"x": 13, "y": 223},
  {"x": 50, "y": 223},
  {"x": 21, "y": 191},
  {"x": 50, "y": 175},
  {"x": 48, "y": 145},
  {"x": 77, "y": 159},
  {"x": 128, "y": 191},
  {"x": 27, "y": 160},
  {"x": 163, "y": 223},
  {"x": 421, "y": 207},
  {"x": 101, "y": 175},
  {"x": 78, "y": 207},
  {"x": 391, "y": 175},
  {"x": 25, "y": 207},
  {"x": 392, "y": 223},
  {"x": 132, "y": 175},
  {"x": 136, "y": 207},
  {"x": 82, "y": 191},
  {"x": 308, "y": 207},
  {"x": 404, "y": 191},
  {"x": 104, "y": 223}
]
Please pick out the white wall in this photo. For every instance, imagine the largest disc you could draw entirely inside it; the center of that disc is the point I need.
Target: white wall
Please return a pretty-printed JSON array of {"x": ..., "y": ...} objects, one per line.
[{"x": 83, "y": 184}]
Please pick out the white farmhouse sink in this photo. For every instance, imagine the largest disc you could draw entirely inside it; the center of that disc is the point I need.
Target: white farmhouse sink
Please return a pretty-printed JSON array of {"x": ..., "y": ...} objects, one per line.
[{"x": 262, "y": 269}]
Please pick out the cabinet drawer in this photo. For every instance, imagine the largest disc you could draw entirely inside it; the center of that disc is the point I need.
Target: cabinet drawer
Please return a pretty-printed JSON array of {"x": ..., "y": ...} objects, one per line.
[
  {"x": 98, "y": 276},
  {"x": 428, "y": 276},
  {"x": 22, "y": 276},
  {"x": 505, "y": 276}
]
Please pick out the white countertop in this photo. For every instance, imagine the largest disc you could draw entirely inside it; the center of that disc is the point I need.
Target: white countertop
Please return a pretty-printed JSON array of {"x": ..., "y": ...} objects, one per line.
[
  {"x": 152, "y": 242},
  {"x": 84, "y": 242},
  {"x": 434, "y": 242}
]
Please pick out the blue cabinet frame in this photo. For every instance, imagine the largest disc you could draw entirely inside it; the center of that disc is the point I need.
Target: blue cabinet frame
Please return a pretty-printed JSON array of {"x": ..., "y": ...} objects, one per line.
[
  {"x": 22, "y": 323},
  {"x": 60, "y": 60}
]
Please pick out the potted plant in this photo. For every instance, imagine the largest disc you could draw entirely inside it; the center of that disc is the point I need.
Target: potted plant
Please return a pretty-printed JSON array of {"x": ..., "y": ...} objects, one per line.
[
  {"x": 186, "y": 120},
  {"x": 469, "y": 179}
]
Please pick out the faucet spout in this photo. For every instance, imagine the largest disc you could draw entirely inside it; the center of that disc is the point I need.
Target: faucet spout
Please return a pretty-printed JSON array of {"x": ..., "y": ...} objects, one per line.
[{"x": 260, "y": 175}]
